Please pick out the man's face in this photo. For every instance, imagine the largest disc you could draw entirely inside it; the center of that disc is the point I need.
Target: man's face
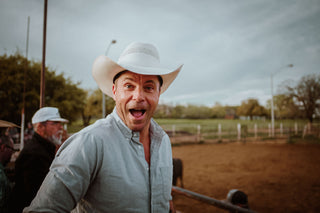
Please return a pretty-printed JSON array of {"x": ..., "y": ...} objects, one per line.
[
  {"x": 52, "y": 131},
  {"x": 136, "y": 98}
]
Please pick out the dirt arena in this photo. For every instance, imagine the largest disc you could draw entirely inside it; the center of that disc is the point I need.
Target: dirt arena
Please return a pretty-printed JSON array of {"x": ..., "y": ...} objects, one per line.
[{"x": 276, "y": 176}]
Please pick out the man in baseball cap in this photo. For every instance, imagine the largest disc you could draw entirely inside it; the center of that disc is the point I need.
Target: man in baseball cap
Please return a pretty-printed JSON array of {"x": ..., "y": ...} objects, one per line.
[
  {"x": 122, "y": 163},
  {"x": 34, "y": 161},
  {"x": 48, "y": 114}
]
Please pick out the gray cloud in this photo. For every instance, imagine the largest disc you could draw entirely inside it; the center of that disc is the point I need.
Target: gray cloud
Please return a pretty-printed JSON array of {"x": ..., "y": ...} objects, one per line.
[{"x": 229, "y": 48}]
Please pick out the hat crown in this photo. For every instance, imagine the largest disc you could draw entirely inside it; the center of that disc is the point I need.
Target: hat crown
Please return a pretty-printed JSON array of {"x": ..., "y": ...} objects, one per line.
[
  {"x": 47, "y": 114},
  {"x": 140, "y": 54},
  {"x": 140, "y": 58}
]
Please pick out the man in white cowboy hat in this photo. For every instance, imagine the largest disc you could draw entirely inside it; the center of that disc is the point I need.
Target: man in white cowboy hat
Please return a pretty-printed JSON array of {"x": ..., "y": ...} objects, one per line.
[
  {"x": 122, "y": 163},
  {"x": 32, "y": 164}
]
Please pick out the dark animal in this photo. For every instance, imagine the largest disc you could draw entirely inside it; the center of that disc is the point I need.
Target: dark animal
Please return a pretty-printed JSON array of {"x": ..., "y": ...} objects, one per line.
[{"x": 177, "y": 171}]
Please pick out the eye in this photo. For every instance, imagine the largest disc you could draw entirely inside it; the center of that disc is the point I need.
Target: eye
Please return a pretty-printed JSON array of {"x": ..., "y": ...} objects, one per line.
[
  {"x": 149, "y": 88},
  {"x": 128, "y": 86}
]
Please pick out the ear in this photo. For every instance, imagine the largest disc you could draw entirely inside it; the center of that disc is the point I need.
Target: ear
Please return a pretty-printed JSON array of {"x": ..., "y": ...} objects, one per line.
[
  {"x": 40, "y": 129},
  {"x": 113, "y": 92}
]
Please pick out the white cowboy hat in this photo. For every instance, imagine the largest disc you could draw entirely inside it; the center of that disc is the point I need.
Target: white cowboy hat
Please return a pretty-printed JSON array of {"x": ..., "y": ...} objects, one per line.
[{"x": 139, "y": 58}]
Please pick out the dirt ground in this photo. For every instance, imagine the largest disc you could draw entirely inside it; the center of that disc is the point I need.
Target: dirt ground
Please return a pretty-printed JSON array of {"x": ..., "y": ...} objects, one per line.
[{"x": 276, "y": 176}]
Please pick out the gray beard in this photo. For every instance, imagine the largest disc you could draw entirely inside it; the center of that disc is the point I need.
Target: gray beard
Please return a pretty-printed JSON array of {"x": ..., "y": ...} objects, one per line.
[{"x": 56, "y": 140}]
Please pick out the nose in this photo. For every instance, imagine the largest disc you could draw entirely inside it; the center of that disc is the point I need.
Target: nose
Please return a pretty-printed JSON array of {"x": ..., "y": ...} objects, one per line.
[
  {"x": 138, "y": 94},
  {"x": 60, "y": 125}
]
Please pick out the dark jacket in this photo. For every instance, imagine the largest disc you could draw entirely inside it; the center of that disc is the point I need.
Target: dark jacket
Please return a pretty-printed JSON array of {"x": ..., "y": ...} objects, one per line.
[{"x": 31, "y": 167}]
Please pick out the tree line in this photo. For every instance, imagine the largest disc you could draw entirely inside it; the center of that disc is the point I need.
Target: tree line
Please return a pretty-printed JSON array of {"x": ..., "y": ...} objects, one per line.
[{"x": 301, "y": 100}]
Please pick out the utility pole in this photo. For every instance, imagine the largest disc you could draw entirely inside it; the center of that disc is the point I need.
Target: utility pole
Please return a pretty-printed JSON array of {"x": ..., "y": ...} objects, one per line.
[
  {"x": 272, "y": 107},
  {"x": 43, "y": 67}
]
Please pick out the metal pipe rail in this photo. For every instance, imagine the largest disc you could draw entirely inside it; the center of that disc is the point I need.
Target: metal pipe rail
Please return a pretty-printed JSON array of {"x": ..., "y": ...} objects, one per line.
[{"x": 211, "y": 201}]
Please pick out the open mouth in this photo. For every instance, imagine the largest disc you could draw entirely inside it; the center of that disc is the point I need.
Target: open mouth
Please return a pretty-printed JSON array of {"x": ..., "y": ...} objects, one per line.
[{"x": 137, "y": 112}]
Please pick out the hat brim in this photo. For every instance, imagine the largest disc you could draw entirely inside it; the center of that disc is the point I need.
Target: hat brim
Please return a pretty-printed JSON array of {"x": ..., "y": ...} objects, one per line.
[
  {"x": 7, "y": 124},
  {"x": 62, "y": 120},
  {"x": 104, "y": 69}
]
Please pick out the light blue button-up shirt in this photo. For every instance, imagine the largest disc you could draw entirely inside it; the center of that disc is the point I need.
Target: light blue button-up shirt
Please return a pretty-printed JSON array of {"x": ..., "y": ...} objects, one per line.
[{"x": 102, "y": 168}]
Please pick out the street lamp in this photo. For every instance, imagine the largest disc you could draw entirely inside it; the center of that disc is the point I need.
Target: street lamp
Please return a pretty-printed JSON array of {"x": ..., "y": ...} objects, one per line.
[
  {"x": 24, "y": 90},
  {"x": 103, "y": 95},
  {"x": 272, "y": 108}
]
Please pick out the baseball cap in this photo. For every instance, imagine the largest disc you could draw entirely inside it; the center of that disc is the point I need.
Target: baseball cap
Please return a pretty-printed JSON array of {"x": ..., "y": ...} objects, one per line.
[{"x": 48, "y": 114}]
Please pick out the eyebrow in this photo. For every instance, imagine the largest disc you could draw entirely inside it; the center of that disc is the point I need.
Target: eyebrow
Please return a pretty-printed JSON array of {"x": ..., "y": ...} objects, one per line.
[
  {"x": 132, "y": 79},
  {"x": 120, "y": 73},
  {"x": 150, "y": 81}
]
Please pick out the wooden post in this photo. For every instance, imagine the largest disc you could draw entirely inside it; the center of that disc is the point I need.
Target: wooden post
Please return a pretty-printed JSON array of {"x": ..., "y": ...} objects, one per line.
[
  {"x": 199, "y": 133},
  {"x": 269, "y": 127},
  {"x": 255, "y": 131},
  {"x": 239, "y": 131},
  {"x": 304, "y": 131},
  {"x": 219, "y": 131},
  {"x": 173, "y": 130}
]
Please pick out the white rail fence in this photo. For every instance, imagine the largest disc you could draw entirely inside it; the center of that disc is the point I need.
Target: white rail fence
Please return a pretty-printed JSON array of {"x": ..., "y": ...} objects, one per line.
[{"x": 239, "y": 132}]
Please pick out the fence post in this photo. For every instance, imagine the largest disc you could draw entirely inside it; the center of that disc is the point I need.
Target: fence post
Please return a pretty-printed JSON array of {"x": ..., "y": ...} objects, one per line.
[
  {"x": 239, "y": 131},
  {"x": 255, "y": 131},
  {"x": 296, "y": 128},
  {"x": 309, "y": 127},
  {"x": 173, "y": 130},
  {"x": 281, "y": 129},
  {"x": 304, "y": 131},
  {"x": 269, "y": 127},
  {"x": 219, "y": 131},
  {"x": 198, "y": 133}
]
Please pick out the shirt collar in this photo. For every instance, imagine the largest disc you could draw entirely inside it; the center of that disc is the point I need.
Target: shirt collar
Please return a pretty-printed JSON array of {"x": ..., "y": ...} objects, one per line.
[{"x": 128, "y": 133}]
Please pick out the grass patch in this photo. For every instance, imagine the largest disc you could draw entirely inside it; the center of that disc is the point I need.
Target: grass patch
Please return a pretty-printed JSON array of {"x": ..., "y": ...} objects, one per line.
[{"x": 308, "y": 139}]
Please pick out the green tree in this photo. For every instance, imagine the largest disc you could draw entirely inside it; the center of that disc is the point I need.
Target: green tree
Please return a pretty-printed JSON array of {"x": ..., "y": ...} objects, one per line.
[
  {"x": 163, "y": 111},
  {"x": 93, "y": 106},
  {"x": 284, "y": 107},
  {"x": 251, "y": 107},
  {"x": 178, "y": 111},
  {"x": 197, "y": 112},
  {"x": 218, "y": 111},
  {"x": 59, "y": 92},
  {"x": 307, "y": 94}
]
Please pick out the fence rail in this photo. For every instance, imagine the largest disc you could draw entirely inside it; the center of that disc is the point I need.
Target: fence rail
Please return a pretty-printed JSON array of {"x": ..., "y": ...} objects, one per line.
[
  {"x": 238, "y": 132},
  {"x": 217, "y": 203}
]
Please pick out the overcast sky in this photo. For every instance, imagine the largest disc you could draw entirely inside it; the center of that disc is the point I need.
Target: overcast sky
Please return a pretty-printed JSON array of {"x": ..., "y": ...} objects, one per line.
[{"x": 229, "y": 48}]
